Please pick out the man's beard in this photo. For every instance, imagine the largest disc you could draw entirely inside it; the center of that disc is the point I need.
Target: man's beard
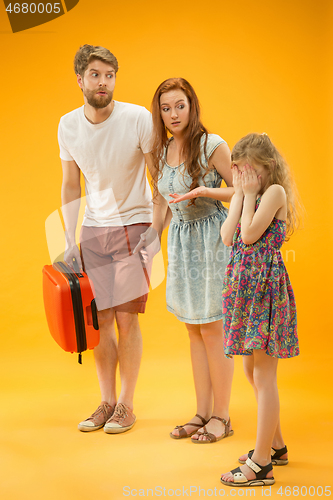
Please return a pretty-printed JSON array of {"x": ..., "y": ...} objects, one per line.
[{"x": 96, "y": 101}]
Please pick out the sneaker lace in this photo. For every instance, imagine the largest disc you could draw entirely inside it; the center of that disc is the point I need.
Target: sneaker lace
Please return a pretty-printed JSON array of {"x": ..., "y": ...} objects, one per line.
[
  {"x": 120, "y": 412},
  {"x": 103, "y": 408}
]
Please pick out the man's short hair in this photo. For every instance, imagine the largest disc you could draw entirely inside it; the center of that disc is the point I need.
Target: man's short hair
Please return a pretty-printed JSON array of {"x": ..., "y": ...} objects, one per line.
[{"x": 88, "y": 53}]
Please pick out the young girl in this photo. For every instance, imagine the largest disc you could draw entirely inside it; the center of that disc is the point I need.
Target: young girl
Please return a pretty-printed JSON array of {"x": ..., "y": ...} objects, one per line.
[
  {"x": 258, "y": 301},
  {"x": 191, "y": 162}
]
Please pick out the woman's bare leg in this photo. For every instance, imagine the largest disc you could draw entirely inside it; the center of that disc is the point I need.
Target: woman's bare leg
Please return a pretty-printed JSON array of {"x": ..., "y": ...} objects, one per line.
[
  {"x": 201, "y": 376},
  {"x": 221, "y": 373}
]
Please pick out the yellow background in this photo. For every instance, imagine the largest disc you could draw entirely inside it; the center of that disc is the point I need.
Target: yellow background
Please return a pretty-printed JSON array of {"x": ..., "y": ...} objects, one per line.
[{"x": 261, "y": 66}]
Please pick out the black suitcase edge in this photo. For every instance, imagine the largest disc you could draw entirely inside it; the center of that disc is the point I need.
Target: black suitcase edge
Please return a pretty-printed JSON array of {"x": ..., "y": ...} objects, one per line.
[{"x": 74, "y": 284}]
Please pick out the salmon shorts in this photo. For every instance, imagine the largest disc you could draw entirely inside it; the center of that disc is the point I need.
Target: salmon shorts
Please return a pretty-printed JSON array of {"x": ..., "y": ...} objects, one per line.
[{"x": 120, "y": 279}]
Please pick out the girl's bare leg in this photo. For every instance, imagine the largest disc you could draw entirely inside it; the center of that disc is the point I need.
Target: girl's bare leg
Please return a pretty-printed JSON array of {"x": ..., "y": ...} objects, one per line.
[
  {"x": 278, "y": 442},
  {"x": 264, "y": 376}
]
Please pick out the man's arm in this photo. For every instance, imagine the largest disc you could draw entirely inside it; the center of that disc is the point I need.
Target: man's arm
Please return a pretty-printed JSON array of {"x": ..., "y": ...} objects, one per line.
[
  {"x": 151, "y": 238},
  {"x": 71, "y": 198},
  {"x": 162, "y": 212}
]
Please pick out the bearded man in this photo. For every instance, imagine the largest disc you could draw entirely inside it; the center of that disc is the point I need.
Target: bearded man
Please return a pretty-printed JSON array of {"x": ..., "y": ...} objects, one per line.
[{"x": 109, "y": 142}]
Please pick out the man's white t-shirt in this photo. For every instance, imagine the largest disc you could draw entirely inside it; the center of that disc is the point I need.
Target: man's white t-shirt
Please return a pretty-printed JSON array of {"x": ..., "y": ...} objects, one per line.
[{"x": 111, "y": 157}]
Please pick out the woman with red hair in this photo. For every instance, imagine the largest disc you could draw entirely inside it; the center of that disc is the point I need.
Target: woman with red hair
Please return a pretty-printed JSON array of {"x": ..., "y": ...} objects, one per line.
[{"x": 189, "y": 165}]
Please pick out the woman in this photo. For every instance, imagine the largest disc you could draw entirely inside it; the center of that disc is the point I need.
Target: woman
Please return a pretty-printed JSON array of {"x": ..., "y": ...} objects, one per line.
[{"x": 193, "y": 163}]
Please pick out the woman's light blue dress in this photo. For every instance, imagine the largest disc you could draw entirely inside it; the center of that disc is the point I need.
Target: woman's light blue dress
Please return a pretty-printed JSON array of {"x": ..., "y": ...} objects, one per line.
[{"x": 197, "y": 257}]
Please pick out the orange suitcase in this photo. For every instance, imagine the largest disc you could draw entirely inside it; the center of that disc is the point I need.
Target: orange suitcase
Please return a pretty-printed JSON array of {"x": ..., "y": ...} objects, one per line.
[{"x": 70, "y": 308}]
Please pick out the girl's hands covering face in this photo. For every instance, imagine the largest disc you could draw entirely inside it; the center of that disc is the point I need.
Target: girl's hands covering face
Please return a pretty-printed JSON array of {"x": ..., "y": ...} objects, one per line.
[
  {"x": 251, "y": 183},
  {"x": 237, "y": 180}
]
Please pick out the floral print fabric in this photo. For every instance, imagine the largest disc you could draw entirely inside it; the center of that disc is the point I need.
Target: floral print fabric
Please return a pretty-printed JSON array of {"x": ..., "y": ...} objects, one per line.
[{"x": 259, "y": 310}]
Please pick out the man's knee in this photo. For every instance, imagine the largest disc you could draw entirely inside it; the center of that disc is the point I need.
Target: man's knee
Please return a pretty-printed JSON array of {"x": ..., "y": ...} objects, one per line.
[
  {"x": 126, "y": 321},
  {"x": 105, "y": 316}
]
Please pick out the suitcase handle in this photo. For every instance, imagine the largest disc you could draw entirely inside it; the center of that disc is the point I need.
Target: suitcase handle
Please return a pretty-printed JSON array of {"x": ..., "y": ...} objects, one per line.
[
  {"x": 76, "y": 266},
  {"x": 94, "y": 314},
  {"x": 52, "y": 279}
]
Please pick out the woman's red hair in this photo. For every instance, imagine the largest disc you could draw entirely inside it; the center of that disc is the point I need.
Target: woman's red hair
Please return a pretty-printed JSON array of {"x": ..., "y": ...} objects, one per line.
[{"x": 192, "y": 134}]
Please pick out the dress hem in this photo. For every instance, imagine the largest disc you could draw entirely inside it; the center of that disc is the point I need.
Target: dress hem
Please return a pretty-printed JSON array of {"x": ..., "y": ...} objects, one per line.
[
  {"x": 200, "y": 321},
  {"x": 249, "y": 352}
]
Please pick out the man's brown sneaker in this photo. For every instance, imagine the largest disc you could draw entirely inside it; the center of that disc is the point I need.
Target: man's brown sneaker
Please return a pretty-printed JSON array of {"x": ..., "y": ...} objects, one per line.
[
  {"x": 98, "y": 418},
  {"x": 122, "y": 420}
]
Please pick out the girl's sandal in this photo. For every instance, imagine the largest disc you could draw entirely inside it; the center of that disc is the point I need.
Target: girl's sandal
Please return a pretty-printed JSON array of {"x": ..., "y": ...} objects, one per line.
[
  {"x": 275, "y": 454},
  {"x": 210, "y": 437},
  {"x": 241, "y": 480},
  {"x": 182, "y": 432}
]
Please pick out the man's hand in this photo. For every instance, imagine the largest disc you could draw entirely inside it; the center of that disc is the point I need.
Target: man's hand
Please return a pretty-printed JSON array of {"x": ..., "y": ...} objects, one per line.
[
  {"x": 149, "y": 245},
  {"x": 73, "y": 253}
]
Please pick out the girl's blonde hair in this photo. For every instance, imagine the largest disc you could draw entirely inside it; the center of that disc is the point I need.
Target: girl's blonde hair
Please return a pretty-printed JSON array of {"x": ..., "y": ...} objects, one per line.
[{"x": 259, "y": 149}]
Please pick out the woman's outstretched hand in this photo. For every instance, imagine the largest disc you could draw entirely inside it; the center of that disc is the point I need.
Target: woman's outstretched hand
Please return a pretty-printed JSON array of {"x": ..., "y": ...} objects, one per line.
[
  {"x": 195, "y": 193},
  {"x": 251, "y": 183}
]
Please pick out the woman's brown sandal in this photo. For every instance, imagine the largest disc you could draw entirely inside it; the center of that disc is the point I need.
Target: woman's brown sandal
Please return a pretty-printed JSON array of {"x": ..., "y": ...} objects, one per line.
[
  {"x": 210, "y": 437},
  {"x": 182, "y": 432}
]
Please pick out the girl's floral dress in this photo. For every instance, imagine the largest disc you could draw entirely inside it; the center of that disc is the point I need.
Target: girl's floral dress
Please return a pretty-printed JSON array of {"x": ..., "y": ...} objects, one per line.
[{"x": 259, "y": 310}]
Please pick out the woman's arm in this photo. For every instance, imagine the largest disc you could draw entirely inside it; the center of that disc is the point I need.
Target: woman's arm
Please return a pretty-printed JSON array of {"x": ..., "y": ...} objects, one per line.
[
  {"x": 222, "y": 194},
  {"x": 254, "y": 223},
  {"x": 230, "y": 224},
  {"x": 167, "y": 219},
  {"x": 221, "y": 161}
]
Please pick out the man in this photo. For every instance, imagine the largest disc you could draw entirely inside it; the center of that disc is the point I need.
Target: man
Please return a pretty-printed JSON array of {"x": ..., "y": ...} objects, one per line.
[{"x": 109, "y": 142}]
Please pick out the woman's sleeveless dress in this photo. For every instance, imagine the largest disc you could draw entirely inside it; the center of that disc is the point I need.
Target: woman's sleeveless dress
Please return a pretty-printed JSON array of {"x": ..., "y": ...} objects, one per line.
[{"x": 197, "y": 256}]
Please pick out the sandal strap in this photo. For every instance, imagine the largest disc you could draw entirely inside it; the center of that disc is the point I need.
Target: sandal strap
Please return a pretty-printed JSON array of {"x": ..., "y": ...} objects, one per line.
[
  {"x": 255, "y": 467},
  {"x": 188, "y": 423},
  {"x": 259, "y": 470},
  {"x": 277, "y": 453},
  {"x": 204, "y": 431},
  {"x": 182, "y": 432},
  {"x": 211, "y": 437},
  {"x": 238, "y": 469},
  {"x": 203, "y": 420},
  {"x": 226, "y": 424},
  {"x": 239, "y": 476}
]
